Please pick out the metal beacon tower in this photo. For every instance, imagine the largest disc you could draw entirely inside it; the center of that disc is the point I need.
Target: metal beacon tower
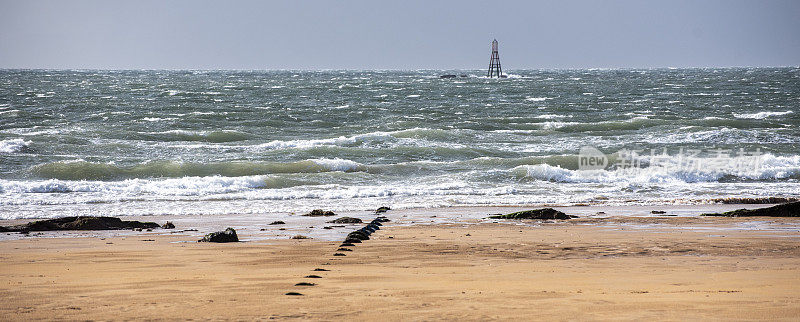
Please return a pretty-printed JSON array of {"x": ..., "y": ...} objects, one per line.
[{"x": 494, "y": 63}]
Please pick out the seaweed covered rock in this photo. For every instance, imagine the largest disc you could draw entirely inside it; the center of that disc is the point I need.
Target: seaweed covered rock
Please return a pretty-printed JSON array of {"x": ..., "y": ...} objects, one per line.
[
  {"x": 382, "y": 210},
  {"x": 320, "y": 213},
  {"x": 544, "y": 213},
  {"x": 82, "y": 223},
  {"x": 346, "y": 220},
  {"x": 791, "y": 209},
  {"x": 168, "y": 225},
  {"x": 227, "y": 236}
]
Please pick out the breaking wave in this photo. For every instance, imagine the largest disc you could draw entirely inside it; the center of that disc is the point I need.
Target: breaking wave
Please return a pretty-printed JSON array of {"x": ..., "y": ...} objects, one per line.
[
  {"x": 82, "y": 170},
  {"x": 13, "y": 146},
  {"x": 771, "y": 168},
  {"x": 200, "y": 136},
  {"x": 761, "y": 115},
  {"x": 359, "y": 139}
]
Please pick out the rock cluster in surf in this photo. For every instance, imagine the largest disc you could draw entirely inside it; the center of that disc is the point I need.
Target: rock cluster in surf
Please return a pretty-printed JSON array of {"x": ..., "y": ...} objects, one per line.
[
  {"x": 81, "y": 223},
  {"x": 320, "y": 213},
  {"x": 790, "y": 209},
  {"x": 544, "y": 213}
]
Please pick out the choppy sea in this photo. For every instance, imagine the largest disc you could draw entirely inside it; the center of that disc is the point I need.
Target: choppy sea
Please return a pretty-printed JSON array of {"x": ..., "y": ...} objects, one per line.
[{"x": 250, "y": 142}]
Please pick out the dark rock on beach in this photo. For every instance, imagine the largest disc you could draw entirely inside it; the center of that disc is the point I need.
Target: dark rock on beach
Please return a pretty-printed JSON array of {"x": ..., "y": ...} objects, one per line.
[
  {"x": 544, "y": 213},
  {"x": 346, "y": 220},
  {"x": 81, "y": 223},
  {"x": 382, "y": 210},
  {"x": 358, "y": 235},
  {"x": 277, "y": 222},
  {"x": 168, "y": 225},
  {"x": 447, "y": 76},
  {"x": 791, "y": 209},
  {"x": 227, "y": 236},
  {"x": 294, "y": 294},
  {"x": 658, "y": 212},
  {"x": 320, "y": 213}
]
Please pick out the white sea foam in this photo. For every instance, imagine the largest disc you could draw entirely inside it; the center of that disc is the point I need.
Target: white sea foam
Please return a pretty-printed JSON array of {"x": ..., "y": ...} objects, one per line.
[
  {"x": 770, "y": 167},
  {"x": 379, "y": 136},
  {"x": 306, "y": 144},
  {"x": 761, "y": 115},
  {"x": 338, "y": 164},
  {"x": 186, "y": 186},
  {"x": 13, "y": 145},
  {"x": 156, "y": 119},
  {"x": 48, "y": 192},
  {"x": 551, "y": 116},
  {"x": 537, "y": 99},
  {"x": 9, "y": 113}
]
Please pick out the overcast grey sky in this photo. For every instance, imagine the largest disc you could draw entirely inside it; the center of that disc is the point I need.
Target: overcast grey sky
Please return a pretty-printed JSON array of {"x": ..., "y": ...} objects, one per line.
[{"x": 396, "y": 34}]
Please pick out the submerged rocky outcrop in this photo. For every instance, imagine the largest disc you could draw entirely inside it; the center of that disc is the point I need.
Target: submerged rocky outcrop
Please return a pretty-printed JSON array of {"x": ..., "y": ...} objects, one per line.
[
  {"x": 320, "y": 213},
  {"x": 790, "y": 209},
  {"x": 544, "y": 213},
  {"x": 227, "y": 236},
  {"x": 81, "y": 223}
]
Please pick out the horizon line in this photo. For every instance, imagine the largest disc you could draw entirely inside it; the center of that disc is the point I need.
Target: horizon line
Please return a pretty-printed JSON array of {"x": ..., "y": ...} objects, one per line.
[{"x": 392, "y": 69}]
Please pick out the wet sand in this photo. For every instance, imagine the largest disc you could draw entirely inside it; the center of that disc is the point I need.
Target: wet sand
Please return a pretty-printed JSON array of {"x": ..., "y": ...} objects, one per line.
[{"x": 626, "y": 268}]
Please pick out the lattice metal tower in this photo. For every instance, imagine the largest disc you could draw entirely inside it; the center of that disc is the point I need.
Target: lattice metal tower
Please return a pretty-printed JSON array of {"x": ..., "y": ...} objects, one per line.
[{"x": 494, "y": 62}]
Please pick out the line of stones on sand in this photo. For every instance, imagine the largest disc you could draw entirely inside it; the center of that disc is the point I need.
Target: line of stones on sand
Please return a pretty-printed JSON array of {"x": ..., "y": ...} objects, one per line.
[{"x": 354, "y": 237}]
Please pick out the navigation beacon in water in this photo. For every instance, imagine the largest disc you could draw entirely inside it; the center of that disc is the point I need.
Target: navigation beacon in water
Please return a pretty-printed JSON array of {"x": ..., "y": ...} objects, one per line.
[
  {"x": 495, "y": 70},
  {"x": 494, "y": 63}
]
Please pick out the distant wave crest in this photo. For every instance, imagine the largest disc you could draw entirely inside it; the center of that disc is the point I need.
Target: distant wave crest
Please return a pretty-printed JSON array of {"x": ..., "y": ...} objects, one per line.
[{"x": 761, "y": 115}]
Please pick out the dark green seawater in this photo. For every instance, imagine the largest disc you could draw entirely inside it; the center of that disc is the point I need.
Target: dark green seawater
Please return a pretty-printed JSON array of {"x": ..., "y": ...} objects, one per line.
[{"x": 224, "y": 142}]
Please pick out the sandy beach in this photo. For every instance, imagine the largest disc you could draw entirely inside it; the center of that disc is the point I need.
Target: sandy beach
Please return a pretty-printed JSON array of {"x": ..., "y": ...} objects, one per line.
[
  {"x": 360, "y": 161},
  {"x": 628, "y": 268}
]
